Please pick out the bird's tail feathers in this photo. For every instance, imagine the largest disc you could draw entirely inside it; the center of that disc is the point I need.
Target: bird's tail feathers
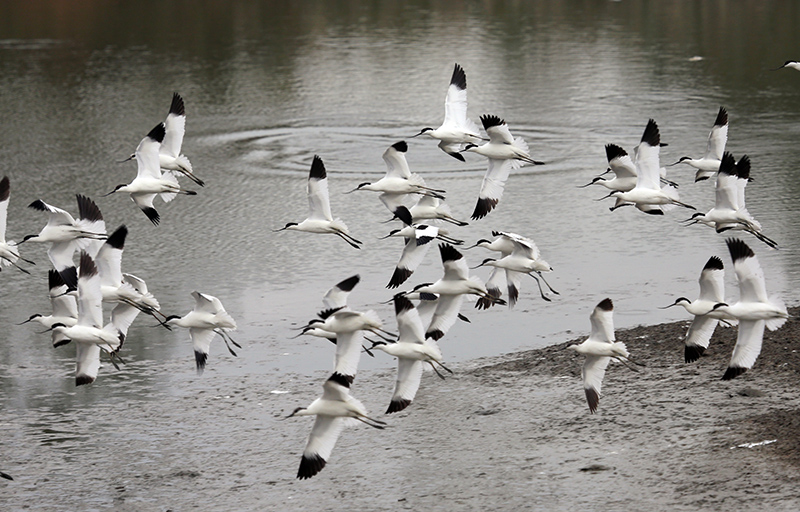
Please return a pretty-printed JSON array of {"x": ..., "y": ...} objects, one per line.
[
  {"x": 169, "y": 176},
  {"x": 775, "y": 323}
]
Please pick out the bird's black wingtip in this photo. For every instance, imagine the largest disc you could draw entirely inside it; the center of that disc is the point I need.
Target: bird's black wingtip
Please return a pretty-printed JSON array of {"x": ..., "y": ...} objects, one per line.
[
  {"x": 483, "y": 207},
  {"x": 400, "y": 275},
  {"x": 157, "y": 133},
  {"x": 738, "y": 249},
  {"x": 176, "y": 107},
  {"x": 152, "y": 214},
  {"x": 732, "y": 372},
  {"x": 651, "y": 134},
  {"x": 317, "y": 171},
  {"x": 5, "y": 189},
  {"x": 310, "y": 466},
  {"x": 722, "y": 117},
  {"x": 398, "y": 405},
  {"x": 81, "y": 380},
  {"x": 613, "y": 151},
  {"x": 714, "y": 263},
  {"x": 692, "y": 353},
  {"x": 606, "y": 305},
  {"x": 459, "y": 78},
  {"x": 592, "y": 398},
  {"x": 200, "y": 359}
]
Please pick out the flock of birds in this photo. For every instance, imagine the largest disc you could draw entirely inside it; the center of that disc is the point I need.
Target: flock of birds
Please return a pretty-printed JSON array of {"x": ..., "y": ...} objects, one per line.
[
  {"x": 638, "y": 181},
  {"x": 77, "y": 292}
]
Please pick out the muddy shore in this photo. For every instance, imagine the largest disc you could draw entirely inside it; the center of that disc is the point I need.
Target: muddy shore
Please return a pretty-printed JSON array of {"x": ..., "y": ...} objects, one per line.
[{"x": 506, "y": 433}]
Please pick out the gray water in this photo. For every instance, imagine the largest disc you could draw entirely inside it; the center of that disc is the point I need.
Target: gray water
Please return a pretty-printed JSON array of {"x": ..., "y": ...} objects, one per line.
[{"x": 267, "y": 85}]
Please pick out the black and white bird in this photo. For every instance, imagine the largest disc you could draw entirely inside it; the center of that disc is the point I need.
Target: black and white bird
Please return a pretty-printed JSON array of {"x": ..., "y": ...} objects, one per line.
[
  {"x": 648, "y": 195},
  {"x": 169, "y": 154},
  {"x": 712, "y": 292},
  {"x": 709, "y": 163},
  {"x": 399, "y": 181},
  {"x": 524, "y": 258},
  {"x": 9, "y": 253},
  {"x": 347, "y": 325},
  {"x": 456, "y": 129},
  {"x": 64, "y": 308},
  {"x": 505, "y": 153},
  {"x": 207, "y": 319},
  {"x": 120, "y": 288},
  {"x": 621, "y": 164},
  {"x": 730, "y": 211},
  {"x": 599, "y": 348},
  {"x": 149, "y": 181},
  {"x": 412, "y": 349},
  {"x": 433, "y": 208},
  {"x": 791, "y": 64},
  {"x": 67, "y": 235},
  {"x": 755, "y": 310},
  {"x": 320, "y": 219},
  {"x": 89, "y": 334},
  {"x": 335, "y": 410},
  {"x": 451, "y": 288},
  {"x": 417, "y": 241}
]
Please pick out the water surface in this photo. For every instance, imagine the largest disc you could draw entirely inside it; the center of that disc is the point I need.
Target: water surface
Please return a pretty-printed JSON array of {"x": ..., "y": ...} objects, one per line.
[{"x": 268, "y": 85}]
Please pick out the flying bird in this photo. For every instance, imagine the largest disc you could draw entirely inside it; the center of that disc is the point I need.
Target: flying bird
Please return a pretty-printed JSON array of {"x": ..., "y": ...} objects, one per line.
[
  {"x": 398, "y": 181},
  {"x": 320, "y": 219},
  {"x": 600, "y": 348},
  {"x": 755, "y": 309},
  {"x": 451, "y": 288},
  {"x": 412, "y": 350},
  {"x": 64, "y": 307},
  {"x": 648, "y": 195},
  {"x": 67, "y": 235},
  {"x": 712, "y": 292},
  {"x": 149, "y": 181},
  {"x": 456, "y": 129},
  {"x": 333, "y": 410},
  {"x": 525, "y": 258},
  {"x": 9, "y": 254},
  {"x": 709, "y": 163},
  {"x": 730, "y": 212},
  {"x": 207, "y": 319},
  {"x": 89, "y": 334},
  {"x": 505, "y": 153},
  {"x": 623, "y": 168}
]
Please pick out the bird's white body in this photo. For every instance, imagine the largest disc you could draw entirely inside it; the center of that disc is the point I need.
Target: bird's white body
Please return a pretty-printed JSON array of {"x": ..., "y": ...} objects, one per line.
[
  {"x": 451, "y": 288},
  {"x": 456, "y": 129},
  {"x": 149, "y": 181},
  {"x": 89, "y": 334},
  {"x": 398, "y": 180},
  {"x": 524, "y": 257},
  {"x": 621, "y": 164},
  {"x": 432, "y": 208},
  {"x": 9, "y": 253},
  {"x": 64, "y": 306},
  {"x": 599, "y": 348},
  {"x": 755, "y": 309},
  {"x": 708, "y": 164},
  {"x": 505, "y": 153},
  {"x": 648, "y": 195},
  {"x": 170, "y": 158},
  {"x": 320, "y": 220},
  {"x": 412, "y": 350},
  {"x": 333, "y": 411},
  {"x": 67, "y": 235},
  {"x": 204, "y": 321},
  {"x": 706, "y": 318}
]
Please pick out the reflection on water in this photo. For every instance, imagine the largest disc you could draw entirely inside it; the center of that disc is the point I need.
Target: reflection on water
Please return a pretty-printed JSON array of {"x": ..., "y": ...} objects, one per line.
[{"x": 269, "y": 84}]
